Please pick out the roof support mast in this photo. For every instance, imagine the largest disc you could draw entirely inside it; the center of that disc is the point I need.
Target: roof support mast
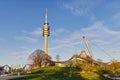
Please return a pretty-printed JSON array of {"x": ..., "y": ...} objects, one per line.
[{"x": 88, "y": 47}]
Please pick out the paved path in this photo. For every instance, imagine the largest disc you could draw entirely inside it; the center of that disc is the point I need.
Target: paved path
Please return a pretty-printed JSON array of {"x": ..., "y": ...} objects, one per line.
[
  {"x": 115, "y": 78},
  {"x": 4, "y": 77}
]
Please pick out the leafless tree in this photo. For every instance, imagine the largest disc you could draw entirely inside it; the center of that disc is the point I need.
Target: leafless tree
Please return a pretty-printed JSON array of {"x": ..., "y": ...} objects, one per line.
[{"x": 38, "y": 58}]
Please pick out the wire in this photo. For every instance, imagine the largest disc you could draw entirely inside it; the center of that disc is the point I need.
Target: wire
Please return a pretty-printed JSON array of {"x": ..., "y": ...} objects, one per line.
[{"x": 103, "y": 50}]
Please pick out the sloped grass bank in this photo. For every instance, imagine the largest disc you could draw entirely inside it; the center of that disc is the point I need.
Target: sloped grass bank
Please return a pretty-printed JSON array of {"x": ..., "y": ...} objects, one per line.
[{"x": 60, "y": 73}]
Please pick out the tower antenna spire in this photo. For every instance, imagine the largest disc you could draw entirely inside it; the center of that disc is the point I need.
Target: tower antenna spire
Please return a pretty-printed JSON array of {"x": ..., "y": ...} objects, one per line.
[{"x": 46, "y": 16}]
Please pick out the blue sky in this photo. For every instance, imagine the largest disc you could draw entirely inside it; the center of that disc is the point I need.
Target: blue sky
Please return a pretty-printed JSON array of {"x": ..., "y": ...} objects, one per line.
[{"x": 21, "y": 23}]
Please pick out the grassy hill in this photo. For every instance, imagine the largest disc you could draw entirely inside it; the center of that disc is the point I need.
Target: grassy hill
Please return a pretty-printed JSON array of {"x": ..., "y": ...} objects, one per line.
[{"x": 60, "y": 73}]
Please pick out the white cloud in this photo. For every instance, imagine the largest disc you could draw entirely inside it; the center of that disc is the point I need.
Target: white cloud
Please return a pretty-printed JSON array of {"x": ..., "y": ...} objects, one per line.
[
  {"x": 74, "y": 10},
  {"x": 24, "y": 48},
  {"x": 81, "y": 7},
  {"x": 116, "y": 16},
  {"x": 23, "y": 53},
  {"x": 27, "y": 39},
  {"x": 116, "y": 51},
  {"x": 114, "y": 20},
  {"x": 99, "y": 29},
  {"x": 93, "y": 18},
  {"x": 98, "y": 33},
  {"x": 60, "y": 47},
  {"x": 36, "y": 32},
  {"x": 113, "y": 4},
  {"x": 58, "y": 31},
  {"x": 103, "y": 41}
]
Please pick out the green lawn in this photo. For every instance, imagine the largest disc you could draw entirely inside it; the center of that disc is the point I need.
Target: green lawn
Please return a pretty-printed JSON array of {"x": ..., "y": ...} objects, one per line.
[{"x": 60, "y": 73}]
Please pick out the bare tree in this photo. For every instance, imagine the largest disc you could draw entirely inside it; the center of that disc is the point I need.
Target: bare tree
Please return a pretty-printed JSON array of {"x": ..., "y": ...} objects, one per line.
[
  {"x": 38, "y": 58},
  {"x": 46, "y": 60}
]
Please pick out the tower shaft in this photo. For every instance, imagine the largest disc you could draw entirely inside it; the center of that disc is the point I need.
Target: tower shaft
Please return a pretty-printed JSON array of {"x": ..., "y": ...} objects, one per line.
[
  {"x": 46, "y": 45},
  {"x": 46, "y": 33}
]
